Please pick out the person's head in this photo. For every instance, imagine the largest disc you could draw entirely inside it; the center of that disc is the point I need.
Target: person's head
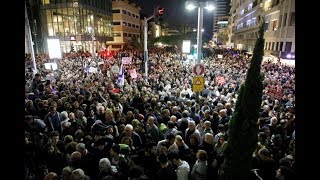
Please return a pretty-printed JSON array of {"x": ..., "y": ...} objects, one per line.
[
  {"x": 66, "y": 173},
  {"x": 171, "y": 138},
  {"x": 104, "y": 165},
  {"x": 77, "y": 174},
  {"x": 202, "y": 155},
  {"x": 284, "y": 173},
  {"x": 175, "y": 158},
  {"x": 115, "y": 150},
  {"x": 178, "y": 140},
  {"x": 150, "y": 120},
  {"x": 170, "y": 125},
  {"x": 264, "y": 154},
  {"x": 163, "y": 159},
  {"x": 173, "y": 118},
  {"x": 222, "y": 113},
  {"x": 208, "y": 138},
  {"x": 68, "y": 138},
  {"x": 207, "y": 124},
  {"x": 101, "y": 110},
  {"x": 51, "y": 176},
  {"x": 81, "y": 147},
  {"x": 52, "y": 110},
  {"x": 128, "y": 130},
  {"x": 221, "y": 128},
  {"x": 191, "y": 125},
  {"x": 273, "y": 121},
  {"x": 207, "y": 113},
  {"x": 54, "y": 137}
]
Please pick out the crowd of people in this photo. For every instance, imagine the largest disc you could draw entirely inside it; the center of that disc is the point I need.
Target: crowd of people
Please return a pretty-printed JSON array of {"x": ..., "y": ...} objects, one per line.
[{"x": 82, "y": 124}]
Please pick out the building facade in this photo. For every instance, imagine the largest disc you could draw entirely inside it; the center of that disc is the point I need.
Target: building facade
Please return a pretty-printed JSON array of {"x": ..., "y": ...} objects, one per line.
[
  {"x": 222, "y": 8},
  {"x": 126, "y": 24},
  {"x": 80, "y": 25},
  {"x": 279, "y": 17}
]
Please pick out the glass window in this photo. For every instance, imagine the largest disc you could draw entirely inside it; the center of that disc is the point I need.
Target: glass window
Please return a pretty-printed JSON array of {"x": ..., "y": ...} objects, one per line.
[
  {"x": 129, "y": 13},
  {"x": 265, "y": 46},
  {"x": 124, "y": 23},
  {"x": 274, "y": 25},
  {"x": 114, "y": 11},
  {"x": 137, "y": 16},
  {"x": 130, "y": 35},
  {"x": 116, "y": 46},
  {"x": 125, "y": 34},
  {"x": 285, "y": 19},
  {"x": 266, "y": 26},
  {"x": 116, "y": 34},
  {"x": 272, "y": 47},
  {"x": 288, "y": 47},
  {"x": 277, "y": 46},
  {"x": 50, "y": 29},
  {"x": 280, "y": 19},
  {"x": 293, "y": 19},
  {"x": 281, "y": 46},
  {"x": 124, "y": 11},
  {"x": 45, "y": 1},
  {"x": 129, "y": 24},
  {"x": 116, "y": 23}
]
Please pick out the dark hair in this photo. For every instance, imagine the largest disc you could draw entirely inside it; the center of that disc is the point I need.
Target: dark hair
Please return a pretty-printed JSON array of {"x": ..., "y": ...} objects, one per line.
[
  {"x": 174, "y": 155},
  {"x": 116, "y": 148},
  {"x": 171, "y": 136},
  {"x": 170, "y": 124},
  {"x": 162, "y": 158}
]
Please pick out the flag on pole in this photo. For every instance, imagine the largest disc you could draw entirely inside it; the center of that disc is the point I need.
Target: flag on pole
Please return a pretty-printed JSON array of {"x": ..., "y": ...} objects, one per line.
[{"x": 120, "y": 81}]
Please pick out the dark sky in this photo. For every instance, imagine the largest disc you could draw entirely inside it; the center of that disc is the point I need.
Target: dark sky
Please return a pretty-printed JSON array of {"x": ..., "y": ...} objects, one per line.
[{"x": 175, "y": 13}]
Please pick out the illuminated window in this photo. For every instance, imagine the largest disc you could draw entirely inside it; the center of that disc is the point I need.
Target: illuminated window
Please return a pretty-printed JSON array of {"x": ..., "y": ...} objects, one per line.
[
  {"x": 274, "y": 25},
  {"x": 45, "y": 1}
]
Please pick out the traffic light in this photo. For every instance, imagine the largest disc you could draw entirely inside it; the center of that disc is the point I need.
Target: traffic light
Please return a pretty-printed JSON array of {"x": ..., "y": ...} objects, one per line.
[{"x": 159, "y": 11}]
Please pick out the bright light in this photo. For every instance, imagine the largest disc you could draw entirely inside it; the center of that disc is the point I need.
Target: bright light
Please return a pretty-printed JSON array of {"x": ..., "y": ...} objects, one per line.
[
  {"x": 89, "y": 28},
  {"x": 190, "y": 5},
  {"x": 289, "y": 56},
  {"x": 54, "y": 48},
  {"x": 186, "y": 46},
  {"x": 51, "y": 66},
  {"x": 209, "y": 6},
  {"x": 202, "y": 30}
]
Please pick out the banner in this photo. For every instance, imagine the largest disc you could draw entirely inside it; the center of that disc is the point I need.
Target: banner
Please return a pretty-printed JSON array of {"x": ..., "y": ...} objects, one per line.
[
  {"x": 126, "y": 60},
  {"x": 133, "y": 73}
]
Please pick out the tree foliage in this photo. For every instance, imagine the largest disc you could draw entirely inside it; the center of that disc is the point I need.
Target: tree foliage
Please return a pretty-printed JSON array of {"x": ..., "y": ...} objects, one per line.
[{"x": 243, "y": 129}]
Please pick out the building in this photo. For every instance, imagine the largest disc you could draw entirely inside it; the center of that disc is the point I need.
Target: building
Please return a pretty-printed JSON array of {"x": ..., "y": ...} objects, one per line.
[
  {"x": 222, "y": 8},
  {"x": 279, "y": 16},
  {"x": 126, "y": 24},
  {"x": 80, "y": 25}
]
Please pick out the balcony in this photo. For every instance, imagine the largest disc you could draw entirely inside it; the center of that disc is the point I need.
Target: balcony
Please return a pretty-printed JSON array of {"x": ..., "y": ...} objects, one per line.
[{"x": 248, "y": 27}]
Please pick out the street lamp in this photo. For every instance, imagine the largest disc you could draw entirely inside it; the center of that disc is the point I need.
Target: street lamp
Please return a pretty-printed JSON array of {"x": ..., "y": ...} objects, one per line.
[
  {"x": 190, "y": 5},
  {"x": 92, "y": 36}
]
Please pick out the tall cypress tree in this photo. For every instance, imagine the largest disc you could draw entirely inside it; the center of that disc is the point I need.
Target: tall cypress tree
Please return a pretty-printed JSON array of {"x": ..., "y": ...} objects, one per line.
[{"x": 243, "y": 128}]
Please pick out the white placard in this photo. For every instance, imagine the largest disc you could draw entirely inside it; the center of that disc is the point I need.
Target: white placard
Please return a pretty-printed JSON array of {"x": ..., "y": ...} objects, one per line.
[
  {"x": 51, "y": 66},
  {"x": 54, "y": 48},
  {"x": 126, "y": 60},
  {"x": 186, "y": 44},
  {"x": 220, "y": 56},
  {"x": 93, "y": 70}
]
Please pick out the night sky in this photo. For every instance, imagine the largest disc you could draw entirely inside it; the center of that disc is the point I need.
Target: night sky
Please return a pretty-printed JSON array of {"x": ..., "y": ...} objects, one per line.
[{"x": 175, "y": 13}]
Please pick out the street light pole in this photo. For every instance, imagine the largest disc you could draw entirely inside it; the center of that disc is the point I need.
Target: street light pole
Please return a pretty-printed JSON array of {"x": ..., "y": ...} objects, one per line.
[
  {"x": 92, "y": 35},
  {"x": 30, "y": 44},
  {"x": 145, "y": 55},
  {"x": 199, "y": 32}
]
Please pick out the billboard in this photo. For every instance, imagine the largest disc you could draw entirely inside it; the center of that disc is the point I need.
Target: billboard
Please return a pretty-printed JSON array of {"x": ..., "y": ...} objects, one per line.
[
  {"x": 54, "y": 48},
  {"x": 186, "y": 44}
]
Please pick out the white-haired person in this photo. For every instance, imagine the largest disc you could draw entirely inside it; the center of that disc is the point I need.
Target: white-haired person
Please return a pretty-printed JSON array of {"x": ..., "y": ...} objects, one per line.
[
  {"x": 128, "y": 132},
  {"x": 106, "y": 169}
]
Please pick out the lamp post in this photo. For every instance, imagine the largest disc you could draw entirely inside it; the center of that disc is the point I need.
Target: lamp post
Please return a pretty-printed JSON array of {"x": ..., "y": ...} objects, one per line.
[
  {"x": 30, "y": 43},
  {"x": 92, "y": 36},
  {"x": 190, "y": 5}
]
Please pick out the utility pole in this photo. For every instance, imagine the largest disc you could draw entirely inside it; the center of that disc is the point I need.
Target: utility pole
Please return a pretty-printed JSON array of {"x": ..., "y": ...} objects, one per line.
[
  {"x": 145, "y": 46},
  {"x": 30, "y": 43}
]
